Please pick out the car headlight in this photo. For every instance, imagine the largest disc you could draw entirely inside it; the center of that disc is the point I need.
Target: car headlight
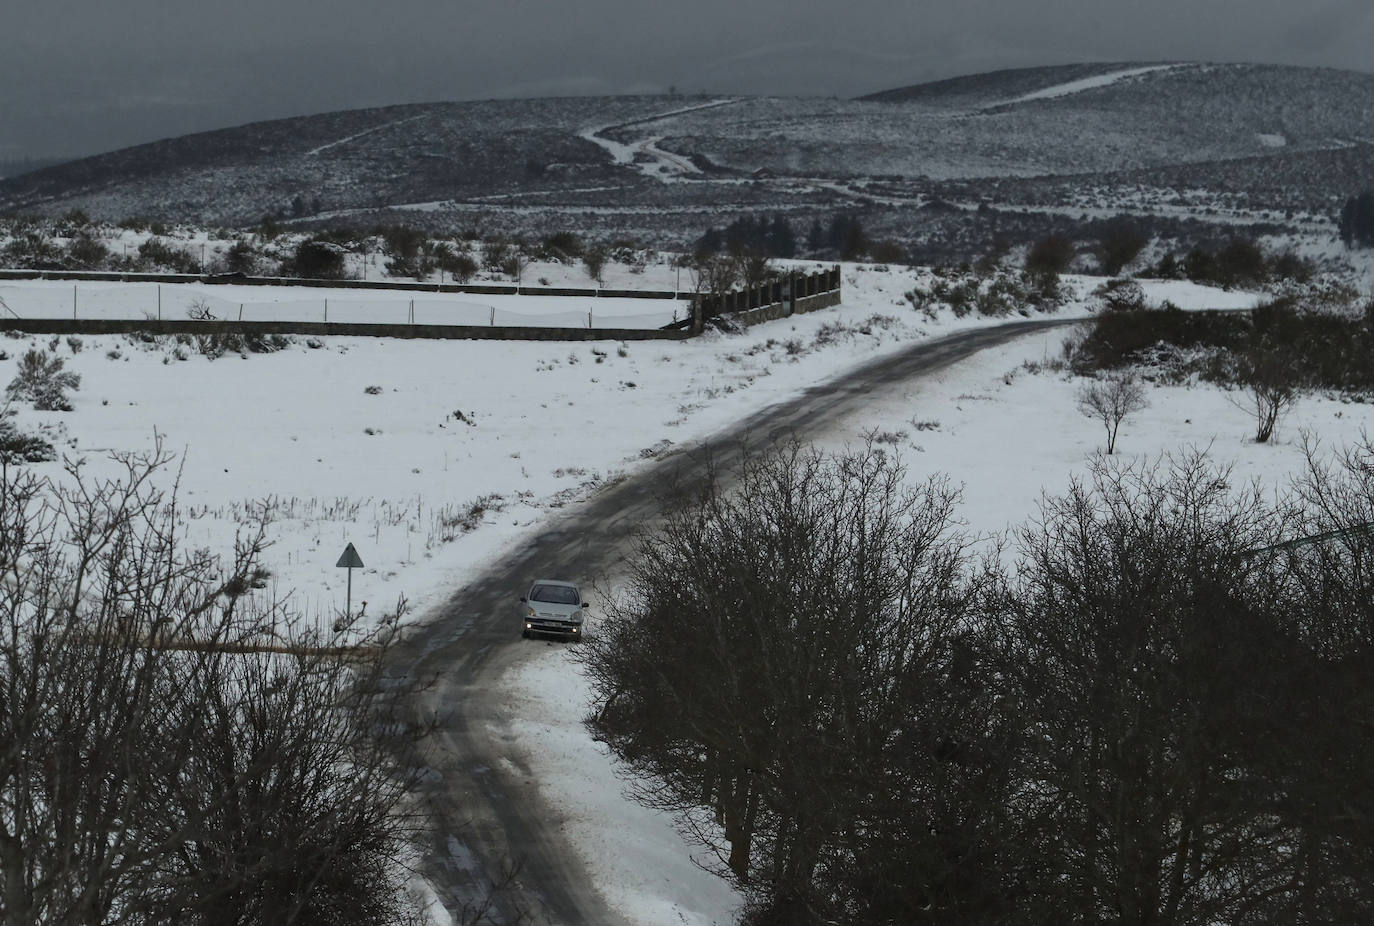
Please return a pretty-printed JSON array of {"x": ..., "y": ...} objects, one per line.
[
  {"x": 577, "y": 617},
  {"x": 529, "y": 612}
]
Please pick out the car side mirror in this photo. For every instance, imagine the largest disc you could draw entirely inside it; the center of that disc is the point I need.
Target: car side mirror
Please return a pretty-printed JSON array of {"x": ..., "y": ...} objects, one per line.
[
  {"x": 584, "y": 605},
  {"x": 522, "y": 597}
]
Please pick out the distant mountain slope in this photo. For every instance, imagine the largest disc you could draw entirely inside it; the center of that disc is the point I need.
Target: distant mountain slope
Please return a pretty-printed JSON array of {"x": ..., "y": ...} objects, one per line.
[
  {"x": 1181, "y": 115},
  {"x": 16, "y": 166},
  {"x": 350, "y": 159},
  {"x": 1116, "y": 135}
]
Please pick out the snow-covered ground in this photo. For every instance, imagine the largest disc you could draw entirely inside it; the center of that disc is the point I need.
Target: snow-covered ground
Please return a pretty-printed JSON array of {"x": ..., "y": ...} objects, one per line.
[
  {"x": 392, "y": 445},
  {"x": 64, "y": 299},
  {"x": 1087, "y": 83}
]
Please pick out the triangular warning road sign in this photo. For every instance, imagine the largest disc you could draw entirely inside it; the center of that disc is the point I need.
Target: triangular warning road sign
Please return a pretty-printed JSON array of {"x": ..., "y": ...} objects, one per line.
[{"x": 350, "y": 558}]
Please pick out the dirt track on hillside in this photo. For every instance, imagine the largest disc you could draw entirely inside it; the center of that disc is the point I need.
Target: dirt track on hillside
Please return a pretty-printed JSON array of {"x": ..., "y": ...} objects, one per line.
[{"x": 486, "y": 807}]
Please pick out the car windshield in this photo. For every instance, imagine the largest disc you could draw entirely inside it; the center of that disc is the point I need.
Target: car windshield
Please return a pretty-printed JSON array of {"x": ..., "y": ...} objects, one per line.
[{"x": 554, "y": 594}]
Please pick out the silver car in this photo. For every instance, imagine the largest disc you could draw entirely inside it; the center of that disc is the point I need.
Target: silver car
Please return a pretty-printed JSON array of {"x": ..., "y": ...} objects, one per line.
[{"x": 554, "y": 607}]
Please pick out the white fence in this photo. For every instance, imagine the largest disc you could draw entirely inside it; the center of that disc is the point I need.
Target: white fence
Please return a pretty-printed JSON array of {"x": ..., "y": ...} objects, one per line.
[{"x": 176, "y": 301}]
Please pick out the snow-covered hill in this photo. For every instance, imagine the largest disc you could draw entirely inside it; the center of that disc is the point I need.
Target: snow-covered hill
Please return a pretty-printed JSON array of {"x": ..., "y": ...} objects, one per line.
[{"x": 663, "y": 169}]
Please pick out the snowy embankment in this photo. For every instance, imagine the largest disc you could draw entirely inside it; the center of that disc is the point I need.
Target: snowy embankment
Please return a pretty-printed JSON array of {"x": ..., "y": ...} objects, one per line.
[{"x": 433, "y": 458}]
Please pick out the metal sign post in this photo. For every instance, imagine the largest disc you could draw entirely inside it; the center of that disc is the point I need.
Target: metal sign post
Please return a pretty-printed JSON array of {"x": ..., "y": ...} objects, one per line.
[{"x": 350, "y": 559}]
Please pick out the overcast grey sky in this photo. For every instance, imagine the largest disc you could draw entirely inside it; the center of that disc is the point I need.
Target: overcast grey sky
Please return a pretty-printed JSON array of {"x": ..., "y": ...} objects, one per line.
[{"x": 82, "y": 76}]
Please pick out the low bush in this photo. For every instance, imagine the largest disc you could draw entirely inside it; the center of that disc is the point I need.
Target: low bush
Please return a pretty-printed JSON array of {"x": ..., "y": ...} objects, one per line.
[
  {"x": 42, "y": 380},
  {"x": 230, "y": 342},
  {"x": 963, "y": 291},
  {"x": 156, "y": 254},
  {"x": 16, "y": 447},
  {"x": 1121, "y": 295},
  {"x": 318, "y": 260},
  {"x": 1239, "y": 262},
  {"x": 1319, "y": 350}
]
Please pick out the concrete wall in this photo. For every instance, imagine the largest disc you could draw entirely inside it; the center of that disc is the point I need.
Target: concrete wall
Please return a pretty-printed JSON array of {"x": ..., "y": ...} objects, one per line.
[{"x": 451, "y": 332}]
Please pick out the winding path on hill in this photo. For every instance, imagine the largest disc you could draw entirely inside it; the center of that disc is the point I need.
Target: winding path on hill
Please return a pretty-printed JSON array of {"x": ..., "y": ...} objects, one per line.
[
  {"x": 487, "y": 811},
  {"x": 665, "y": 165}
]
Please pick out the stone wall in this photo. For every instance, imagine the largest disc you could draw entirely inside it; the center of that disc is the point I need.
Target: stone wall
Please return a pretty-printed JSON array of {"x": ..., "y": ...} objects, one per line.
[{"x": 778, "y": 310}]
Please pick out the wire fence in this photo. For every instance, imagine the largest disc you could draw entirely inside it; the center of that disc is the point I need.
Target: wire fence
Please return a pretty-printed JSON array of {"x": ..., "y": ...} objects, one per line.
[{"x": 151, "y": 301}]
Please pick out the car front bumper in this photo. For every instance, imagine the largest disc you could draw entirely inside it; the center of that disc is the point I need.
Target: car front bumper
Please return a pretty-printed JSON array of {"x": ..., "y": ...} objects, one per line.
[{"x": 545, "y": 625}]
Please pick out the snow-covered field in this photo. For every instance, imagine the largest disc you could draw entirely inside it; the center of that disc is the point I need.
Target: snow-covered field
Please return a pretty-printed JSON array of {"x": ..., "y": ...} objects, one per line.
[
  {"x": 62, "y": 299},
  {"x": 398, "y": 446}
]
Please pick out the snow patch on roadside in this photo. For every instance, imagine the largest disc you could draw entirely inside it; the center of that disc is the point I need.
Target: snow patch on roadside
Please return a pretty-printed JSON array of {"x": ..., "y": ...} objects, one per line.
[{"x": 645, "y": 869}]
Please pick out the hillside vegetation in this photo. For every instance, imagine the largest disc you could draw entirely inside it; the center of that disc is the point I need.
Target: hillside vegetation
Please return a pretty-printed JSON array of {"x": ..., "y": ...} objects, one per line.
[{"x": 941, "y": 167}]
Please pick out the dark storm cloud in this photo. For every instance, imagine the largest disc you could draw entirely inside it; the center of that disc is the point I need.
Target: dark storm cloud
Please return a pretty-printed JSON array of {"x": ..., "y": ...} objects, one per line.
[{"x": 80, "y": 76}]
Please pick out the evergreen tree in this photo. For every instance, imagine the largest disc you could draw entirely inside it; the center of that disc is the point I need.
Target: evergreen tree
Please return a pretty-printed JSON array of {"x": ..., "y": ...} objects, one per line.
[
  {"x": 815, "y": 238},
  {"x": 1357, "y": 220},
  {"x": 847, "y": 236},
  {"x": 781, "y": 241},
  {"x": 711, "y": 242},
  {"x": 318, "y": 260},
  {"x": 1050, "y": 255},
  {"x": 743, "y": 235}
]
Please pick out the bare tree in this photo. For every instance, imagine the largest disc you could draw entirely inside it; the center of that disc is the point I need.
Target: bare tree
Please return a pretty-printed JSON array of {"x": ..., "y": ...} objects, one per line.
[
  {"x": 1140, "y": 638},
  {"x": 1111, "y": 399},
  {"x": 1272, "y": 385},
  {"x": 1320, "y": 743},
  {"x": 712, "y": 274},
  {"x": 819, "y": 689},
  {"x": 755, "y": 267},
  {"x": 173, "y": 746}
]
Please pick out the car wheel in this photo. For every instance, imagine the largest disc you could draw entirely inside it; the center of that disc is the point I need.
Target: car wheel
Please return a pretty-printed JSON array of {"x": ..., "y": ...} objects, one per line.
[{"x": 525, "y": 634}]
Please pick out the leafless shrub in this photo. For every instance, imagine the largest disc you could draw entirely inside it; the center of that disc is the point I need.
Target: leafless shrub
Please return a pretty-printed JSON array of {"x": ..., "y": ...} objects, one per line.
[
  {"x": 174, "y": 747},
  {"x": 594, "y": 261},
  {"x": 1272, "y": 387},
  {"x": 452, "y": 521},
  {"x": 199, "y": 310},
  {"x": 1111, "y": 399},
  {"x": 890, "y": 438},
  {"x": 712, "y": 274}
]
